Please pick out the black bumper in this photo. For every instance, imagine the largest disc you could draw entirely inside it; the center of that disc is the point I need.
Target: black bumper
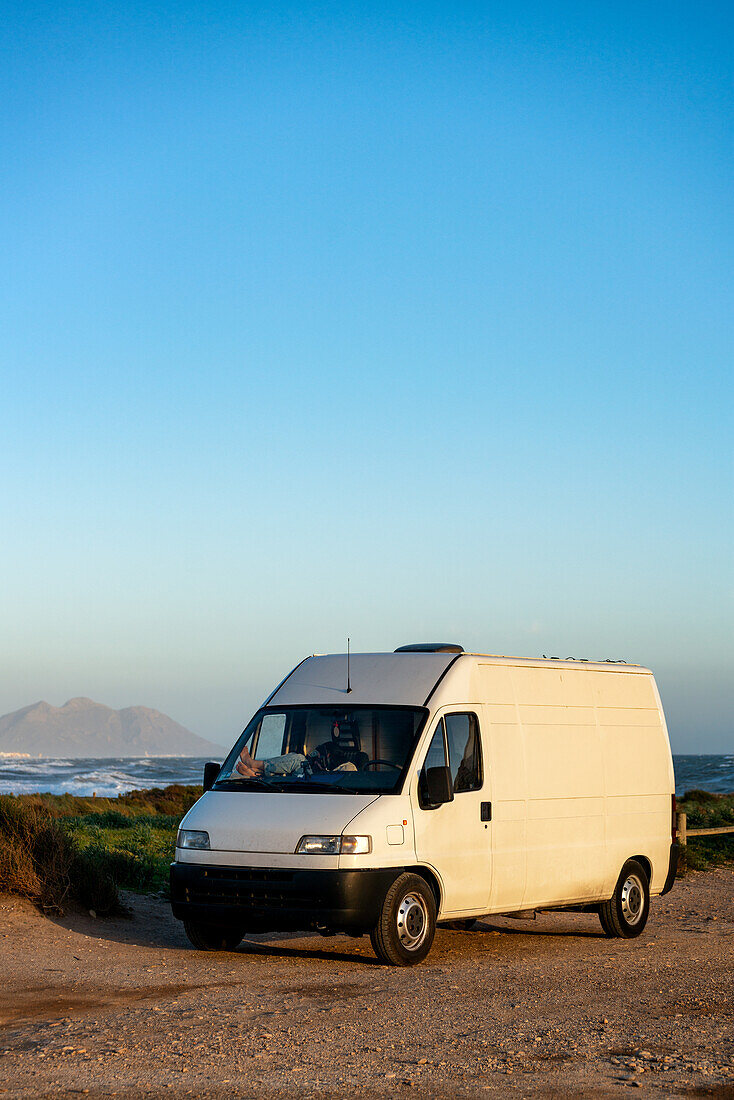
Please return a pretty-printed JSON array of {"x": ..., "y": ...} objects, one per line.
[
  {"x": 672, "y": 867},
  {"x": 264, "y": 899}
]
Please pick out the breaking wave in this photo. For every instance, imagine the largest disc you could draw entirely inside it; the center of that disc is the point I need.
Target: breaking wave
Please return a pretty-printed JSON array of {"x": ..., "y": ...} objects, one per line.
[{"x": 105, "y": 778}]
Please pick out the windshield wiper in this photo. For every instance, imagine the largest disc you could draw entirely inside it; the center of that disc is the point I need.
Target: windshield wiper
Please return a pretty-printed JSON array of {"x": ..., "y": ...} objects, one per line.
[
  {"x": 319, "y": 785},
  {"x": 287, "y": 785},
  {"x": 251, "y": 781}
]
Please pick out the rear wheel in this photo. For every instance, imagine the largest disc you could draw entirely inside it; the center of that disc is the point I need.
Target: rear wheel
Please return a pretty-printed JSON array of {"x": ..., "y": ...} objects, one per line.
[
  {"x": 407, "y": 923},
  {"x": 212, "y": 937},
  {"x": 625, "y": 914}
]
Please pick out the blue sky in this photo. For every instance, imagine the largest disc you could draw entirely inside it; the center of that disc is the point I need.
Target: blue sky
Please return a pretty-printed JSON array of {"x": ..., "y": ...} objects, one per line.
[{"x": 401, "y": 321}]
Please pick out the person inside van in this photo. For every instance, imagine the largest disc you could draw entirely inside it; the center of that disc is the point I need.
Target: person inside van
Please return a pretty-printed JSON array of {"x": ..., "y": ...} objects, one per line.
[{"x": 329, "y": 757}]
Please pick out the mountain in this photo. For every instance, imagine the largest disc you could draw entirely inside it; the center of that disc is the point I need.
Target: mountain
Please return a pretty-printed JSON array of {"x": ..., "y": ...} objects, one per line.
[{"x": 85, "y": 728}]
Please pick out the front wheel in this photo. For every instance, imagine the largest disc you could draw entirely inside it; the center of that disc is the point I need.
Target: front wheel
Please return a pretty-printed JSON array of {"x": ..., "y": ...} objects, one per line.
[
  {"x": 212, "y": 937},
  {"x": 407, "y": 922},
  {"x": 625, "y": 914}
]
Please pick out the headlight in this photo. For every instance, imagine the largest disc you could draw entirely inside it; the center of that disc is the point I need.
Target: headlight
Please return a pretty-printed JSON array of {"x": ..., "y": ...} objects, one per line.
[
  {"x": 318, "y": 846},
  {"x": 193, "y": 838},
  {"x": 334, "y": 845}
]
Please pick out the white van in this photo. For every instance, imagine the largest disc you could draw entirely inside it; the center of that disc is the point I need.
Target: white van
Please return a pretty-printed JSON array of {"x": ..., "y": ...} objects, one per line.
[{"x": 394, "y": 791}]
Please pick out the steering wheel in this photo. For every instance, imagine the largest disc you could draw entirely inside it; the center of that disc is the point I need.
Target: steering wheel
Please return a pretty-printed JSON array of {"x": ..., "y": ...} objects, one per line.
[{"x": 387, "y": 763}]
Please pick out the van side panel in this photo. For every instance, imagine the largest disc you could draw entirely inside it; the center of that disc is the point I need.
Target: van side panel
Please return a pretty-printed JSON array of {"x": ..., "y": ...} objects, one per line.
[
  {"x": 583, "y": 755},
  {"x": 565, "y": 786},
  {"x": 504, "y": 752},
  {"x": 639, "y": 773}
]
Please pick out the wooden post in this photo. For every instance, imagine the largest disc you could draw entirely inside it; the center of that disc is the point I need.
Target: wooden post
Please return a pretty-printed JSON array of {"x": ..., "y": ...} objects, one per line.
[
  {"x": 682, "y": 830},
  {"x": 680, "y": 825}
]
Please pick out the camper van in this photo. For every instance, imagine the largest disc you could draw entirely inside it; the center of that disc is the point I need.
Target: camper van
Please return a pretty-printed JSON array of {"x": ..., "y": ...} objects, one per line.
[{"x": 388, "y": 793}]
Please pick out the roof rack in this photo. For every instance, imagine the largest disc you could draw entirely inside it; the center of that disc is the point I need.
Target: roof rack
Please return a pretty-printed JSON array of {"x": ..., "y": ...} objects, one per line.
[{"x": 587, "y": 660}]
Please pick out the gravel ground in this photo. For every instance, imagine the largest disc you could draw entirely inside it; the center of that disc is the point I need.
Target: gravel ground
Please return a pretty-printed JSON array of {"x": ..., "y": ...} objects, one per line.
[{"x": 543, "y": 1008}]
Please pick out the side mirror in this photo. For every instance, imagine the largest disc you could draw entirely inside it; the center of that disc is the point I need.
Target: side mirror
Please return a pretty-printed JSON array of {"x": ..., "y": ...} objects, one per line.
[
  {"x": 439, "y": 788},
  {"x": 211, "y": 771}
]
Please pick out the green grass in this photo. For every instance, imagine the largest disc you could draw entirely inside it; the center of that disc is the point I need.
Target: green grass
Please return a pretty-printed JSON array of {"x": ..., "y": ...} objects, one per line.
[
  {"x": 139, "y": 853},
  {"x": 705, "y": 810}
]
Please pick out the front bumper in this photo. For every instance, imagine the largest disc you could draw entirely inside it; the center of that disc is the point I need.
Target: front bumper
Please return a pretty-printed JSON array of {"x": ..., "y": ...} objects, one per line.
[{"x": 259, "y": 899}]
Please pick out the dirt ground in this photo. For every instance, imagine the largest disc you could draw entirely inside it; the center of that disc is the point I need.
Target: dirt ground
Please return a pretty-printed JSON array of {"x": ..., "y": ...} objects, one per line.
[{"x": 545, "y": 1008}]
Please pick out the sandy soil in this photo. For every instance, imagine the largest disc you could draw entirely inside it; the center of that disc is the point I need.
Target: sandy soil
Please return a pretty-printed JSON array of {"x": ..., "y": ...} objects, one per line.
[{"x": 544, "y": 1008}]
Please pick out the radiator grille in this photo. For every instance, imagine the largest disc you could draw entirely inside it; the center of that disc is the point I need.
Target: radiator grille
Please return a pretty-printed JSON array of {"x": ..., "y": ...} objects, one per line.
[{"x": 250, "y": 888}]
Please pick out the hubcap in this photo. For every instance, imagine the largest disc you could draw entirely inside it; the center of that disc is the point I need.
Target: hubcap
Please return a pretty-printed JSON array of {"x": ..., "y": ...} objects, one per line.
[
  {"x": 412, "y": 921},
  {"x": 633, "y": 899}
]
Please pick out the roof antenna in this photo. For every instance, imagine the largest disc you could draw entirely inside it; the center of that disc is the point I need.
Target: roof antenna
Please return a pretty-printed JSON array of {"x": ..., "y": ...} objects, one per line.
[{"x": 349, "y": 686}]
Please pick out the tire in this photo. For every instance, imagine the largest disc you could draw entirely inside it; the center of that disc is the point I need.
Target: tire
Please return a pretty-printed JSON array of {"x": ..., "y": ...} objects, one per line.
[
  {"x": 407, "y": 922},
  {"x": 212, "y": 937},
  {"x": 625, "y": 914},
  {"x": 460, "y": 925}
]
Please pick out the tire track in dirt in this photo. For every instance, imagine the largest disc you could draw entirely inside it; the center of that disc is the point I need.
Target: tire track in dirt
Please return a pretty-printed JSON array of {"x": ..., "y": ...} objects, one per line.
[{"x": 46, "y": 1003}]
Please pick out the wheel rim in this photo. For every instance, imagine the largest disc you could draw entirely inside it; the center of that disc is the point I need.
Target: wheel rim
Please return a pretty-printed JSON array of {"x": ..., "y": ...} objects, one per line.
[
  {"x": 412, "y": 921},
  {"x": 633, "y": 899}
]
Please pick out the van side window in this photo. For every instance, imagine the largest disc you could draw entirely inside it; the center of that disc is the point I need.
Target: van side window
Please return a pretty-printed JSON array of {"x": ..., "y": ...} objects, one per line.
[
  {"x": 465, "y": 755},
  {"x": 435, "y": 758},
  {"x": 436, "y": 755},
  {"x": 270, "y": 736}
]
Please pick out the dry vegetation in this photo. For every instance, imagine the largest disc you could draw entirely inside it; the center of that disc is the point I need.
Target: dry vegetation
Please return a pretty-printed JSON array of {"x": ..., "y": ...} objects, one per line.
[{"x": 36, "y": 855}]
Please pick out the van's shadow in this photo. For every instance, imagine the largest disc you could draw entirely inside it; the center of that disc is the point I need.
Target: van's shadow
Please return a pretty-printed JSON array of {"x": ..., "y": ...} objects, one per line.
[
  {"x": 150, "y": 924},
  {"x": 283, "y": 951},
  {"x": 146, "y": 922},
  {"x": 530, "y": 928}
]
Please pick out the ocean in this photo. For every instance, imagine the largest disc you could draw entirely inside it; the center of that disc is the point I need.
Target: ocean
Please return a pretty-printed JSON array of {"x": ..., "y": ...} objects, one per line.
[
  {"x": 108, "y": 778},
  {"x": 105, "y": 778}
]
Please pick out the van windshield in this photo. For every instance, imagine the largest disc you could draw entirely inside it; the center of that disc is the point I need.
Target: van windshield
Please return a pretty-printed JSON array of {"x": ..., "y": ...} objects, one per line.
[{"x": 341, "y": 749}]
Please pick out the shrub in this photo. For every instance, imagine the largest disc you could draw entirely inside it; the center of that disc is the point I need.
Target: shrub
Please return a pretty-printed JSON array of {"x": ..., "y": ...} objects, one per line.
[
  {"x": 94, "y": 882},
  {"x": 135, "y": 870},
  {"x": 110, "y": 819},
  {"x": 175, "y": 799},
  {"x": 703, "y": 852},
  {"x": 708, "y": 810},
  {"x": 36, "y": 855},
  {"x": 696, "y": 795}
]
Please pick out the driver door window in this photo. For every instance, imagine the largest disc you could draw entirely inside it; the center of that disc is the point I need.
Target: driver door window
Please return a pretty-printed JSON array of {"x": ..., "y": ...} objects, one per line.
[
  {"x": 435, "y": 758},
  {"x": 436, "y": 755},
  {"x": 456, "y": 743},
  {"x": 465, "y": 754}
]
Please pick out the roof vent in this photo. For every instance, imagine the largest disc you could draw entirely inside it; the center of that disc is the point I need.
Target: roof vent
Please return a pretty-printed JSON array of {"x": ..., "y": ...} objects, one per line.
[{"x": 430, "y": 647}]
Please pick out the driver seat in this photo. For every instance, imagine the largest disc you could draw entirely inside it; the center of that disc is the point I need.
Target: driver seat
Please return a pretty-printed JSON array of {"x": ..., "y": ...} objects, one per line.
[{"x": 348, "y": 735}]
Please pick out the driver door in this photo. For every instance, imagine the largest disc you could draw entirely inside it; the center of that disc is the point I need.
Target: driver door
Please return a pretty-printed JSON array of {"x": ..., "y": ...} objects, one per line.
[{"x": 454, "y": 838}]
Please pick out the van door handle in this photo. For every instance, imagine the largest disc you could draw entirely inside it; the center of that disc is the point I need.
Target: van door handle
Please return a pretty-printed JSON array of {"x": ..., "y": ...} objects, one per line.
[{"x": 486, "y": 811}]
